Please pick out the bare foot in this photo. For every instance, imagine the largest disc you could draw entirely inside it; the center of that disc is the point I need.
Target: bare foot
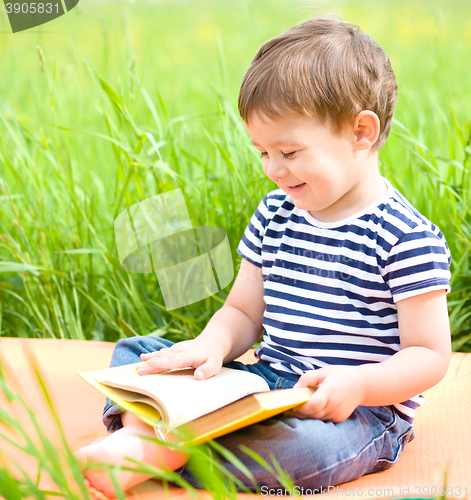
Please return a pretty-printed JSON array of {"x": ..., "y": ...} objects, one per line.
[
  {"x": 116, "y": 448},
  {"x": 93, "y": 492}
]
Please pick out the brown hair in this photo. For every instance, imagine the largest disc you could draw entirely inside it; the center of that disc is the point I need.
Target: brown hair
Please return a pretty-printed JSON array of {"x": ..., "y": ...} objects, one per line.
[{"x": 323, "y": 67}]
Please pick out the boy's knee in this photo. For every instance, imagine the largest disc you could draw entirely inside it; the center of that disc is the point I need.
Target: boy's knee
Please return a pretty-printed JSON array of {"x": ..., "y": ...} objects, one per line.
[{"x": 131, "y": 344}]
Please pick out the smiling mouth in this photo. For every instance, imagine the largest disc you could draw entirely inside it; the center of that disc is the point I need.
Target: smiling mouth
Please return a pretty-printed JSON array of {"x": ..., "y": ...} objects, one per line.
[{"x": 297, "y": 185}]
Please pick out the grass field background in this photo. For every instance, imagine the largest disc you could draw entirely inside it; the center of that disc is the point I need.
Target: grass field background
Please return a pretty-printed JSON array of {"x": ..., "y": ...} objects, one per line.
[{"x": 118, "y": 101}]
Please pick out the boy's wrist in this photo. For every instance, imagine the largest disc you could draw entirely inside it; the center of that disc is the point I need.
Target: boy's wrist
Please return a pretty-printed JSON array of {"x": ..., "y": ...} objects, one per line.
[
  {"x": 232, "y": 330},
  {"x": 216, "y": 340}
]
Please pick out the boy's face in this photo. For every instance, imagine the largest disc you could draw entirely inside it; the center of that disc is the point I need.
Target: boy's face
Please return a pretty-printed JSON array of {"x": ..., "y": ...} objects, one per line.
[{"x": 307, "y": 160}]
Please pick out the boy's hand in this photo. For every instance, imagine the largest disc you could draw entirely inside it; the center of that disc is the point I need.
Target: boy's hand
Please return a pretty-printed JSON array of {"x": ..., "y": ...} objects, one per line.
[
  {"x": 340, "y": 389},
  {"x": 206, "y": 356}
]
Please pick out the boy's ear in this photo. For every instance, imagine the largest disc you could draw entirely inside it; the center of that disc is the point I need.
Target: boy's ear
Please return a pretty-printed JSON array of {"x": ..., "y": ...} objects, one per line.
[{"x": 366, "y": 129}]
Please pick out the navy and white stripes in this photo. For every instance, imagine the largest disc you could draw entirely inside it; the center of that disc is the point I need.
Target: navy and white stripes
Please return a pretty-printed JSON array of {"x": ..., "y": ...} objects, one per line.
[{"x": 330, "y": 287}]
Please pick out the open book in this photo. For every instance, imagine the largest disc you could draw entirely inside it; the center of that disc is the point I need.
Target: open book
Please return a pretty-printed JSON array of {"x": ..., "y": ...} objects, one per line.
[{"x": 198, "y": 409}]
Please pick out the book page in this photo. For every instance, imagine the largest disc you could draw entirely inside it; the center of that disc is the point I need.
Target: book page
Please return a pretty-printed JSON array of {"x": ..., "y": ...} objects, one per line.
[{"x": 184, "y": 397}]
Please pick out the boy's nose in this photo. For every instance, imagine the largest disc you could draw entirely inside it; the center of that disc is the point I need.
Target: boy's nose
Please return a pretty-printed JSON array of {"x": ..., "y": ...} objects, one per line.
[{"x": 274, "y": 169}]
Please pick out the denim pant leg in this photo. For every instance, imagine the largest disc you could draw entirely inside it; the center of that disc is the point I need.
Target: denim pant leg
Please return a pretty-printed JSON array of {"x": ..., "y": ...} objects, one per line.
[
  {"x": 129, "y": 351},
  {"x": 315, "y": 454}
]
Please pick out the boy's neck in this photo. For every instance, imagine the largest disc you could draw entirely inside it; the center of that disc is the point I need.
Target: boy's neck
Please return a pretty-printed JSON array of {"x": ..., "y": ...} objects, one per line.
[{"x": 369, "y": 188}]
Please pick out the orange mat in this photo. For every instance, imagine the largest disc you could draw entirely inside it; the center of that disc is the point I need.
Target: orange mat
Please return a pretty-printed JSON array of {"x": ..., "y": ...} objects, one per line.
[{"x": 442, "y": 425}]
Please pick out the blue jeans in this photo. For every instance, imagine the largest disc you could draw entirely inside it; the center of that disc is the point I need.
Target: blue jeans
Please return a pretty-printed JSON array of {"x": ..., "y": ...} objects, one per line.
[{"x": 315, "y": 454}]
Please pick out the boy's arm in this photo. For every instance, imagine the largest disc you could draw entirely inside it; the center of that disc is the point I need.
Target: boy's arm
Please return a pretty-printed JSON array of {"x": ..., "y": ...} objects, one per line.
[
  {"x": 231, "y": 331},
  {"x": 421, "y": 363},
  {"x": 423, "y": 360},
  {"x": 241, "y": 316}
]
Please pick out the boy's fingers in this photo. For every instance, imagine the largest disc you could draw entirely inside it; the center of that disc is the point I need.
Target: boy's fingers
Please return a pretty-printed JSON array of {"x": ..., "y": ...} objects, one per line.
[
  {"x": 156, "y": 365},
  {"x": 310, "y": 378},
  {"x": 208, "y": 369},
  {"x": 165, "y": 351},
  {"x": 295, "y": 414},
  {"x": 205, "y": 367},
  {"x": 155, "y": 354},
  {"x": 315, "y": 406},
  {"x": 169, "y": 362}
]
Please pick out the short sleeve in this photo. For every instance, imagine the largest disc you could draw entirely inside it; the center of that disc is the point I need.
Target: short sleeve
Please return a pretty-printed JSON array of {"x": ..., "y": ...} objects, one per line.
[
  {"x": 418, "y": 263},
  {"x": 250, "y": 246}
]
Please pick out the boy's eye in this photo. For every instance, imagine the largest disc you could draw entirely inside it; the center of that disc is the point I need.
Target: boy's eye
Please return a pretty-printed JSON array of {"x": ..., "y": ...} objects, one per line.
[{"x": 287, "y": 156}]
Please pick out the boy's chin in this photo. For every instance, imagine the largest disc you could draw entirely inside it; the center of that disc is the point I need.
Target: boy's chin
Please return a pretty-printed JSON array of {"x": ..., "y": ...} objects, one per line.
[
  {"x": 308, "y": 208},
  {"x": 303, "y": 206}
]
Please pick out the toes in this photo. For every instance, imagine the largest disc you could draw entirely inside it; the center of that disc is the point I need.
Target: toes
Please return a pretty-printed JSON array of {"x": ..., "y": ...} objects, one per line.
[{"x": 98, "y": 495}]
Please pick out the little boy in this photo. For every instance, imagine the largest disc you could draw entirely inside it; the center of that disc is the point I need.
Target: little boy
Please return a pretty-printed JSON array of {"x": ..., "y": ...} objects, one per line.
[{"x": 346, "y": 280}]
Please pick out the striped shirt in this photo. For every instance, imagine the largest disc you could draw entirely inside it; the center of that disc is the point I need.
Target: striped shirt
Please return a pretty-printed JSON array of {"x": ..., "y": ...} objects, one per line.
[{"x": 331, "y": 287}]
